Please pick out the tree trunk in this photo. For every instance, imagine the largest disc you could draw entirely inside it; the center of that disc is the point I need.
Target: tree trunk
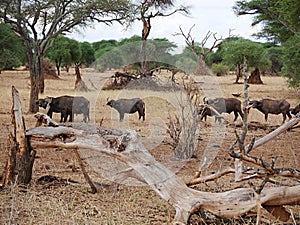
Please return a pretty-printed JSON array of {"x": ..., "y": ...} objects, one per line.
[
  {"x": 21, "y": 158},
  {"x": 58, "y": 68},
  {"x": 238, "y": 74},
  {"x": 36, "y": 81},
  {"x": 34, "y": 93},
  {"x": 145, "y": 34},
  {"x": 255, "y": 77},
  {"x": 79, "y": 83}
]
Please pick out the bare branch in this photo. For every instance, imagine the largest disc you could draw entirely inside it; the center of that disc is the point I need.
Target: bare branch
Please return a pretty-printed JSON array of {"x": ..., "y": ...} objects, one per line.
[
  {"x": 211, "y": 177},
  {"x": 269, "y": 167},
  {"x": 289, "y": 124}
]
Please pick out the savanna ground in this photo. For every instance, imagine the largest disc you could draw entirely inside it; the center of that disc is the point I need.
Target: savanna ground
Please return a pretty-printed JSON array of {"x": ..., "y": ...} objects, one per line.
[{"x": 67, "y": 199}]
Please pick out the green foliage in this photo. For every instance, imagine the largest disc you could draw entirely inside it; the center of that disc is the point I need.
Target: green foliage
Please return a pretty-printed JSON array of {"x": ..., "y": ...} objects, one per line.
[
  {"x": 101, "y": 47},
  {"x": 291, "y": 61},
  {"x": 59, "y": 52},
  {"x": 219, "y": 69},
  {"x": 65, "y": 51},
  {"x": 280, "y": 23},
  {"x": 134, "y": 38},
  {"x": 87, "y": 51},
  {"x": 12, "y": 50},
  {"x": 75, "y": 52},
  {"x": 279, "y": 18},
  {"x": 274, "y": 54},
  {"x": 111, "y": 59},
  {"x": 113, "y": 54},
  {"x": 186, "y": 64},
  {"x": 234, "y": 52}
]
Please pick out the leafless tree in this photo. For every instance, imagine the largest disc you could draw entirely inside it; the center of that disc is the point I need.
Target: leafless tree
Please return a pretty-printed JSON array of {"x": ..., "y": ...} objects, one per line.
[{"x": 204, "y": 51}]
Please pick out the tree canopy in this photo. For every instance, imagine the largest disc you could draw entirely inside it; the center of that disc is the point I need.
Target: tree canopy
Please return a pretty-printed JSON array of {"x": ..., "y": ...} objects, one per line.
[
  {"x": 279, "y": 18},
  {"x": 12, "y": 50},
  {"x": 280, "y": 24}
]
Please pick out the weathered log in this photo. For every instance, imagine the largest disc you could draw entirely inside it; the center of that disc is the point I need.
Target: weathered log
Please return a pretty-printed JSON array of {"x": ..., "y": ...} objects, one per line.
[
  {"x": 127, "y": 148},
  {"x": 21, "y": 157},
  {"x": 44, "y": 119}
]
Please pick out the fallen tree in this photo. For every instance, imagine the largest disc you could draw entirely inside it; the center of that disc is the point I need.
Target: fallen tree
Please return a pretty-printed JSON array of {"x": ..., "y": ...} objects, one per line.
[{"x": 127, "y": 147}]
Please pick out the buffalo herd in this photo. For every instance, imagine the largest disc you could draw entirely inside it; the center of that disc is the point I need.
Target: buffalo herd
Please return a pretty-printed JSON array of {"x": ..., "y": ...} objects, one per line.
[
  {"x": 67, "y": 106},
  {"x": 70, "y": 105},
  {"x": 228, "y": 105}
]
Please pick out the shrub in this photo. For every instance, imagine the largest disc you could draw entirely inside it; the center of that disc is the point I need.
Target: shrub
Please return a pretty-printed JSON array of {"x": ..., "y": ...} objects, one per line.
[{"x": 219, "y": 69}]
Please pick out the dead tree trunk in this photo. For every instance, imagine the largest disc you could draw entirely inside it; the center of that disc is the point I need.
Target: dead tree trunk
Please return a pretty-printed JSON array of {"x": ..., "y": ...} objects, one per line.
[
  {"x": 21, "y": 157},
  {"x": 255, "y": 77},
  {"x": 79, "y": 83}
]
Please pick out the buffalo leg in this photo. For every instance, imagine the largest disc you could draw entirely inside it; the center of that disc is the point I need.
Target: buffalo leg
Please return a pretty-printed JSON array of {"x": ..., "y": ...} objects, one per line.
[
  {"x": 266, "y": 117},
  {"x": 289, "y": 115},
  {"x": 235, "y": 115},
  {"x": 49, "y": 113},
  {"x": 64, "y": 116},
  {"x": 71, "y": 119},
  {"x": 141, "y": 115},
  {"x": 121, "y": 116},
  {"x": 241, "y": 114},
  {"x": 61, "y": 117},
  {"x": 284, "y": 117}
]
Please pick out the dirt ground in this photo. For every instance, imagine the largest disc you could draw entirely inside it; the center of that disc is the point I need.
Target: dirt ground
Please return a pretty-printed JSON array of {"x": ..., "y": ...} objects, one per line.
[{"x": 66, "y": 199}]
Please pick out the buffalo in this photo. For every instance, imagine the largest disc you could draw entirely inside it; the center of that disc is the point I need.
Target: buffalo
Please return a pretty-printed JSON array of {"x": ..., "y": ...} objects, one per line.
[
  {"x": 223, "y": 105},
  {"x": 272, "y": 106},
  {"x": 128, "y": 106},
  {"x": 296, "y": 110},
  {"x": 204, "y": 111},
  {"x": 67, "y": 106}
]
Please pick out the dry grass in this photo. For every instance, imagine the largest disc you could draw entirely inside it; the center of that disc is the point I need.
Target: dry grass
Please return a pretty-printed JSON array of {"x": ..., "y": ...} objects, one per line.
[{"x": 66, "y": 202}]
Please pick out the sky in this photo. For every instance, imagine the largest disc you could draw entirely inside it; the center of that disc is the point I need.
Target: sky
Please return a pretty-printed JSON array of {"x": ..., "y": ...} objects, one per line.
[{"x": 215, "y": 16}]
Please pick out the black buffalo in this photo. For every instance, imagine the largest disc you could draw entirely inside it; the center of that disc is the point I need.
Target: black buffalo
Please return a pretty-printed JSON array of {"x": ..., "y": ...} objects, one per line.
[
  {"x": 204, "y": 111},
  {"x": 223, "y": 105},
  {"x": 67, "y": 106},
  {"x": 128, "y": 106},
  {"x": 296, "y": 110},
  {"x": 272, "y": 106}
]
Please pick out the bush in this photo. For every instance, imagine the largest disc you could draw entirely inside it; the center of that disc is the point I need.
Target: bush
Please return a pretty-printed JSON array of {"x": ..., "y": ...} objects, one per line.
[{"x": 219, "y": 69}]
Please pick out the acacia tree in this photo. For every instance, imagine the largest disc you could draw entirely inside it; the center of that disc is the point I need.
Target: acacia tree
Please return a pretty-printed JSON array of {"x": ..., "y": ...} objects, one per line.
[
  {"x": 39, "y": 22},
  {"x": 59, "y": 53},
  {"x": 279, "y": 18},
  {"x": 280, "y": 23},
  {"x": 234, "y": 51}
]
